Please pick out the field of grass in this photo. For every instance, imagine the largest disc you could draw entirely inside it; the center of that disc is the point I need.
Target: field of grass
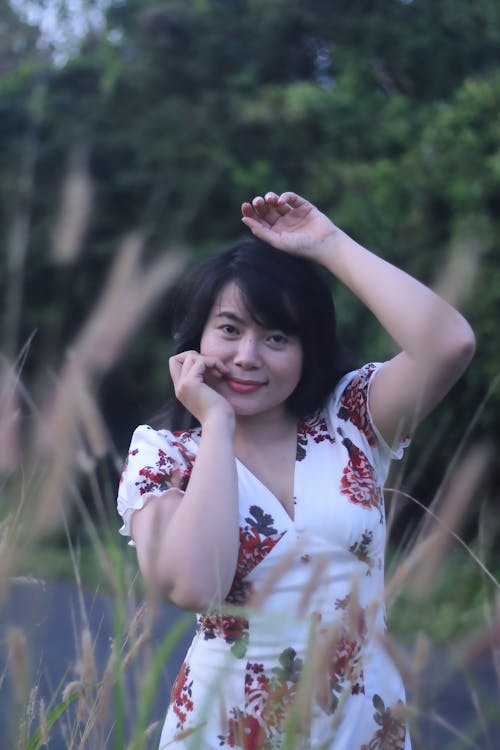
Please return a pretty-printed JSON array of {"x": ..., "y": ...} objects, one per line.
[
  {"x": 460, "y": 602},
  {"x": 442, "y": 594},
  {"x": 454, "y": 613}
]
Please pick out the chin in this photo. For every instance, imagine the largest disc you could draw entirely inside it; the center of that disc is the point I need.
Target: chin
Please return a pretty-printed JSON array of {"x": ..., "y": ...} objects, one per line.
[{"x": 245, "y": 410}]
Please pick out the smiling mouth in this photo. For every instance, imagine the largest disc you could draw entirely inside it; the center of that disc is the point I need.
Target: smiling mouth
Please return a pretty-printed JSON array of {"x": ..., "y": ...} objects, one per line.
[{"x": 243, "y": 386}]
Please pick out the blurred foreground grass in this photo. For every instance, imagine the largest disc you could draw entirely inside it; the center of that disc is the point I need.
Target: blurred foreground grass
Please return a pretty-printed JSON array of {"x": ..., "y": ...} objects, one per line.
[
  {"x": 50, "y": 449},
  {"x": 461, "y": 600}
]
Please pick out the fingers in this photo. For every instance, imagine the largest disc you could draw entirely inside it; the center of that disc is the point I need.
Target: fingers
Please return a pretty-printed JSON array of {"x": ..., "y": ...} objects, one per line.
[
  {"x": 193, "y": 365},
  {"x": 293, "y": 200},
  {"x": 259, "y": 229},
  {"x": 195, "y": 379},
  {"x": 262, "y": 216},
  {"x": 280, "y": 206},
  {"x": 271, "y": 206},
  {"x": 265, "y": 209},
  {"x": 216, "y": 366},
  {"x": 247, "y": 210},
  {"x": 180, "y": 361}
]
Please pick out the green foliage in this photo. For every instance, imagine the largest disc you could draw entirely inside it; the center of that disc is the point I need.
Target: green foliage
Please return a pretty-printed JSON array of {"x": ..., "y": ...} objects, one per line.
[
  {"x": 385, "y": 116},
  {"x": 37, "y": 740},
  {"x": 461, "y": 601}
]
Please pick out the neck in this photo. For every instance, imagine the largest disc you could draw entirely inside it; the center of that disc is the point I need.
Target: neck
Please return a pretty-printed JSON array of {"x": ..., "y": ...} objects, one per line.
[{"x": 264, "y": 428}]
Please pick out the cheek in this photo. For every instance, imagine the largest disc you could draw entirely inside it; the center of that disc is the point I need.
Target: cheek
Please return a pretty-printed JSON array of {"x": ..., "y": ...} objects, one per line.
[
  {"x": 213, "y": 346},
  {"x": 299, "y": 364},
  {"x": 298, "y": 373},
  {"x": 206, "y": 343},
  {"x": 293, "y": 371}
]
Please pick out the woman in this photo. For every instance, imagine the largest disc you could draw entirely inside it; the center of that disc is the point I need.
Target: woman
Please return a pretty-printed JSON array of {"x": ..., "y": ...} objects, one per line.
[{"x": 266, "y": 515}]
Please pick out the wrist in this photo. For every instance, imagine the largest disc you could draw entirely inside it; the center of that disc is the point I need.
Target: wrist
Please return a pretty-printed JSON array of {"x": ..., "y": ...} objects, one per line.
[
  {"x": 219, "y": 421},
  {"x": 327, "y": 249},
  {"x": 336, "y": 250}
]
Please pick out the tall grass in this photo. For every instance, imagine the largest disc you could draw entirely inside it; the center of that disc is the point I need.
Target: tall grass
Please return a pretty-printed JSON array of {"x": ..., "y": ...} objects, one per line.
[{"x": 44, "y": 466}]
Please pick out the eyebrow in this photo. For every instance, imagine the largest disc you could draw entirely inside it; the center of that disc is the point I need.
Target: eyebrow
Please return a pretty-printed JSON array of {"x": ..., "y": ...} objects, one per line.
[
  {"x": 230, "y": 316},
  {"x": 236, "y": 319}
]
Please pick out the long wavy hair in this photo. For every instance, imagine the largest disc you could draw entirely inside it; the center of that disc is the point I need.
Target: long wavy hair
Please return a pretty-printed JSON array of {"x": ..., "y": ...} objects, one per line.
[{"x": 280, "y": 291}]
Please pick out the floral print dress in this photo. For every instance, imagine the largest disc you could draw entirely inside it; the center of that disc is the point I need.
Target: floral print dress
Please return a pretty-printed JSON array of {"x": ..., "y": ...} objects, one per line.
[{"x": 298, "y": 644}]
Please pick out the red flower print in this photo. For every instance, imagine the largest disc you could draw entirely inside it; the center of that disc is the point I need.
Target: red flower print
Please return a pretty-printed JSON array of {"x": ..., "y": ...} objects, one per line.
[
  {"x": 354, "y": 403},
  {"x": 240, "y": 592},
  {"x": 268, "y": 699},
  {"x": 185, "y": 435},
  {"x": 272, "y": 696},
  {"x": 360, "y": 549},
  {"x": 244, "y": 731},
  {"x": 167, "y": 472},
  {"x": 346, "y": 666},
  {"x": 180, "y": 697},
  {"x": 315, "y": 428},
  {"x": 358, "y": 481},
  {"x": 187, "y": 455},
  {"x": 253, "y": 549},
  {"x": 257, "y": 539},
  {"x": 392, "y": 732},
  {"x": 234, "y": 630}
]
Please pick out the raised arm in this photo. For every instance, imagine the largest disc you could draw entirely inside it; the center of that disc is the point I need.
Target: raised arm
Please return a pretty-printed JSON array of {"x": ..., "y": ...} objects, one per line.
[
  {"x": 187, "y": 546},
  {"x": 436, "y": 342}
]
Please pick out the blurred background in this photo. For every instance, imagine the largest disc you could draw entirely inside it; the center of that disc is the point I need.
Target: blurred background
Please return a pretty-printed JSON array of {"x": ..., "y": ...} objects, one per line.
[{"x": 130, "y": 133}]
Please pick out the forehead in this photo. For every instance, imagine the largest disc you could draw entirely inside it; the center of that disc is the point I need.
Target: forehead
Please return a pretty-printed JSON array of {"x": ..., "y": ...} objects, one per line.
[
  {"x": 262, "y": 304},
  {"x": 230, "y": 299}
]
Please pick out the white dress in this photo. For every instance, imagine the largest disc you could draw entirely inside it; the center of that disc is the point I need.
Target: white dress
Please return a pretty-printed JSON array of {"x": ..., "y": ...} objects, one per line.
[{"x": 307, "y": 650}]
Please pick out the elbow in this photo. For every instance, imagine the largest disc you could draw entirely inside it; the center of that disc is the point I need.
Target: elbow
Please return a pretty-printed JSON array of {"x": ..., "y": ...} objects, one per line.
[
  {"x": 186, "y": 597},
  {"x": 193, "y": 598},
  {"x": 187, "y": 603},
  {"x": 190, "y": 592},
  {"x": 196, "y": 592},
  {"x": 466, "y": 346},
  {"x": 460, "y": 348}
]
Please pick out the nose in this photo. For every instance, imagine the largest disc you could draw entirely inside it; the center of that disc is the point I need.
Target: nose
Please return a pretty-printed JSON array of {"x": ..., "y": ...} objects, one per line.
[{"x": 247, "y": 355}]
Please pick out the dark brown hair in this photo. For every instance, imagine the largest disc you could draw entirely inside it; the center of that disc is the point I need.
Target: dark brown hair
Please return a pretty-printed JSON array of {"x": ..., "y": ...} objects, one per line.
[{"x": 281, "y": 291}]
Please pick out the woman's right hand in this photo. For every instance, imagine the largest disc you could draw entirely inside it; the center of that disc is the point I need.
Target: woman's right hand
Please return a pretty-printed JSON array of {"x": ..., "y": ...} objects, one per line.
[{"x": 191, "y": 374}]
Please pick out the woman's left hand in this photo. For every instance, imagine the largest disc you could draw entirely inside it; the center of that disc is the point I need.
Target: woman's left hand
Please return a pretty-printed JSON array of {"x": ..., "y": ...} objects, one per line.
[{"x": 290, "y": 223}]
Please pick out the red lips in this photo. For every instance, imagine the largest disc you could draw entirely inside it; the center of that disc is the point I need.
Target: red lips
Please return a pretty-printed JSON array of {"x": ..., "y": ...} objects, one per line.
[{"x": 243, "y": 386}]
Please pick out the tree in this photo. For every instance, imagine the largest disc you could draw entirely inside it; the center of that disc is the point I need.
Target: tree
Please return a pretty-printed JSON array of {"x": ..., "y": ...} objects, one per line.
[{"x": 384, "y": 114}]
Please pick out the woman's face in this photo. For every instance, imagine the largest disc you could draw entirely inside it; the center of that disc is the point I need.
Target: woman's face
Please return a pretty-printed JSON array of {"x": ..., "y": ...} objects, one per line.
[{"x": 265, "y": 364}]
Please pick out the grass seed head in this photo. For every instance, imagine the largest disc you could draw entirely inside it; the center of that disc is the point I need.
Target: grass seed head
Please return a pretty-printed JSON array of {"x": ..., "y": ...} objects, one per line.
[
  {"x": 451, "y": 513},
  {"x": 43, "y": 723},
  {"x": 18, "y": 658},
  {"x": 88, "y": 665},
  {"x": 77, "y": 688},
  {"x": 74, "y": 208}
]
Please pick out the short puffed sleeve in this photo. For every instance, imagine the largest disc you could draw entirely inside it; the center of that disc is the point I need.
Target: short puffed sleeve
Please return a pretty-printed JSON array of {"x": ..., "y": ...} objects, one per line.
[
  {"x": 349, "y": 415},
  {"x": 157, "y": 461}
]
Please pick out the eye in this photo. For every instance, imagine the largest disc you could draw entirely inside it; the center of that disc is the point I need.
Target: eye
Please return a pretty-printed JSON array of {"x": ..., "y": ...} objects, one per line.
[
  {"x": 229, "y": 329},
  {"x": 278, "y": 339}
]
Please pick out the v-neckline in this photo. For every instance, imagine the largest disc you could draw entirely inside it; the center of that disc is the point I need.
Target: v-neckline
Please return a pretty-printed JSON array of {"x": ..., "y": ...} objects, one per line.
[{"x": 277, "y": 501}]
